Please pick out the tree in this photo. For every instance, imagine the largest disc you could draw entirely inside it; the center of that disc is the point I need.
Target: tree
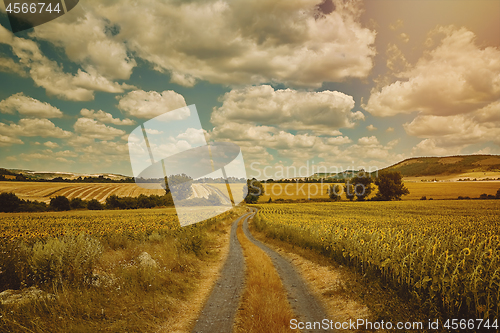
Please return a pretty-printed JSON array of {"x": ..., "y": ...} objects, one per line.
[
  {"x": 77, "y": 203},
  {"x": 59, "y": 203},
  {"x": 9, "y": 202},
  {"x": 349, "y": 190},
  {"x": 362, "y": 185},
  {"x": 390, "y": 186},
  {"x": 498, "y": 194},
  {"x": 213, "y": 199},
  {"x": 255, "y": 190},
  {"x": 181, "y": 185},
  {"x": 94, "y": 205},
  {"x": 334, "y": 192}
]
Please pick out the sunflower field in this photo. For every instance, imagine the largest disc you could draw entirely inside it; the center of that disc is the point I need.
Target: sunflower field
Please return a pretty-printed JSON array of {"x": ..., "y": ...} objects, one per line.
[{"x": 446, "y": 254}]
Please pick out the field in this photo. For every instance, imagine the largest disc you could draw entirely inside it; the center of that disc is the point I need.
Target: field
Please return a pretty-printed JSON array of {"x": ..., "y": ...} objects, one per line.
[
  {"x": 45, "y": 191},
  {"x": 89, "y": 271},
  {"x": 444, "y": 254},
  {"x": 438, "y": 190}
]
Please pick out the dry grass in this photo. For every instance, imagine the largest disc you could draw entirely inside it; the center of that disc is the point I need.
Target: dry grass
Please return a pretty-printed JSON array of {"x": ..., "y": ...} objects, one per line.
[
  {"x": 183, "y": 318},
  {"x": 264, "y": 306},
  {"x": 126, "y": 296}
]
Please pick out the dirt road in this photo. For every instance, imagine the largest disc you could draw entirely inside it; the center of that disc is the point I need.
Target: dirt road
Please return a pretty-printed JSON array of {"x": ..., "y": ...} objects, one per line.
[{"x": 219, "y": 312}]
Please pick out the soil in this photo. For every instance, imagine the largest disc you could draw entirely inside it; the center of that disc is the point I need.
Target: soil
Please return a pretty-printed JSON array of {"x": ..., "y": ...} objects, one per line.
[{"x": 219, "y": 312}]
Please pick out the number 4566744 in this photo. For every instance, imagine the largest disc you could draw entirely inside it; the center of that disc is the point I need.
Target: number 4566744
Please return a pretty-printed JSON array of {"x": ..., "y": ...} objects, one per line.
[{"x": 33, "y": 8}]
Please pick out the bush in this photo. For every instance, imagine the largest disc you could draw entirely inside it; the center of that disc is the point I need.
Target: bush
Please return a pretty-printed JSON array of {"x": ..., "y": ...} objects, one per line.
[
  {"x": 9, "y": 202},
  {"x": 483, "y": 196},
  {"x": 498, "y": 194},
  {"x": 423, "y": 198},
  {"x": 77, "y": 203},
  {"x": 390, "y": 185},
  {"x": 94, "y": 205},
  {"x": 334, "y": 192},
  {"x": 70, "y": 258},
  {"x": 59, "y": 203}
]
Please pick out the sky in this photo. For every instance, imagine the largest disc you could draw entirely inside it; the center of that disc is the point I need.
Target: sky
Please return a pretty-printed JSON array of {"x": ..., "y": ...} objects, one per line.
[{"x": 300, "y": 85}]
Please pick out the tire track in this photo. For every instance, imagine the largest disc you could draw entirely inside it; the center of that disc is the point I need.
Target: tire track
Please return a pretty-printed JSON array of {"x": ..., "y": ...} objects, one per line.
[
  {"x": 306, "y": 307},
  {"x": 219, "y": 312}
]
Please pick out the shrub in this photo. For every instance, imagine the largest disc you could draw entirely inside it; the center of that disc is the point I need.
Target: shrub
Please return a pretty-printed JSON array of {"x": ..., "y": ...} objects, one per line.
[
  {"x": 9, "y": 202},
  {"x": 70, "y": 258},
  {"x": 423, "y": 198},
  {"x": 59, "y": 203},
  {"x": 334, "y": 192},
  {"x": 390, "y": 185},
  {"x": 498, "y": 194},
  {"x": 94, "y": 205},
  {"x": 483, "y": 196},
  {"x": 77, "y": 203}
]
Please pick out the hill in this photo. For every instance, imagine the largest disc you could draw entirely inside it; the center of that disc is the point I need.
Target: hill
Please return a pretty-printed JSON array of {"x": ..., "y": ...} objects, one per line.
[
  {"x": 47, "y": 175},
  {"x": 450, "y": 167}
]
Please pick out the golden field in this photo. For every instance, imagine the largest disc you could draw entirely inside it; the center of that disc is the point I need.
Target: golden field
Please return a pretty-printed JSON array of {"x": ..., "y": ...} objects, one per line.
[
  {"x": 446, "y": 254},
  {"x": 26, "y": 226},
  {"x": 438, "y": 190},
  {"x": 44, "y": 191}
]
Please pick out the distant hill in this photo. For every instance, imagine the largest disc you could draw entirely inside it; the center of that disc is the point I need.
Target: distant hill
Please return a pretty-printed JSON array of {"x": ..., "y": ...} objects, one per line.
[
  {"x": 466, "y": 165},
  {"x": 47, "y": 175}
]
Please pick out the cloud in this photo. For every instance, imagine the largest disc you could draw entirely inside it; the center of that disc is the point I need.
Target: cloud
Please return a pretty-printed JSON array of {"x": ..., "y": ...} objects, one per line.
[
  {"x": 105, "y": 117},
  {"x": 33, "y": 127},
  {"x": 7, "y": 141},
  {"x": 153, "y": 131},
  {"x": 225, "y": 42},
  {"x": 456, "y": 77},
  {"x": 404, "y": 37},
  {"x": 389, "y": 129},
  {"x": 287, "y": 109},
  {"x": 396, "y": 25},
  {"x": 50, "y": 75},
  {"x": 93, "y": 129},
  {"x": 371, "y": 127},
  {"x": 96, "y": 49},
  {"x": 428, "y": 147},
  {"x": 368, "y": 141},
  {"x": 28, "y": 106},
  {"x": 147, "y": 105},
  {"x": 193, "y": 136},
  {"x": 396, "y": 60},
  {"x": 50, "y": 144},
  {"x": 10, "y": 66}
]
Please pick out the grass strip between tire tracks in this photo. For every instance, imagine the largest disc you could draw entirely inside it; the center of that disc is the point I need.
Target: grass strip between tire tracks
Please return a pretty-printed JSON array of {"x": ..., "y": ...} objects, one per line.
[{"x": 264, "y": 306}]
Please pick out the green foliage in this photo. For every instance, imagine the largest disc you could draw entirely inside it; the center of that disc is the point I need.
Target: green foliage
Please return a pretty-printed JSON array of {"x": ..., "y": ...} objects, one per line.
[
  {"x": 59, "y": 203},
  {"x": 255, "y": 190},
  {"x": 182, "y": 185},
  {"x": 428, "y": 166},
  {"x": 70, "y": 258},
  {"x": 349, "y": 191},
  {"x": 334, "y": 192},
  {"x": 362, "y": 185},
  {"x": 390, "y": 186},
  {"x": 9, "y": 202},
  {"x": 94, "y": 205},
  {"x": 77, "y": 203},
  {"x": 142, "y": 201}
]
